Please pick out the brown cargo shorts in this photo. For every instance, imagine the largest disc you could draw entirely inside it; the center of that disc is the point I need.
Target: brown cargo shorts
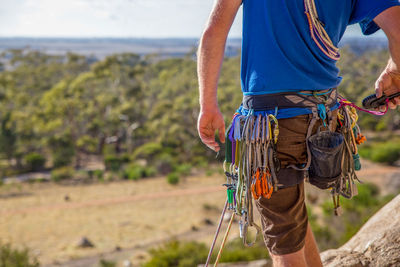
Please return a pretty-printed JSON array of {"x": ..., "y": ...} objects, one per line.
[{"x": 284, "y": 216}]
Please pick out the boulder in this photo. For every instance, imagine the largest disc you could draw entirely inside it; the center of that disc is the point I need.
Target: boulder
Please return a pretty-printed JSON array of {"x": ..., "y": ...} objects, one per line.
[
  {"x": 84, "y": 242},
  {"x": 376, "y": 244}
]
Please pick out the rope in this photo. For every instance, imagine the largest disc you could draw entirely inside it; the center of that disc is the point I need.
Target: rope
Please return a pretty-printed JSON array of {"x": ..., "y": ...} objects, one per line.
[
  {"x": 224, "y": 240},
  {"x": 345, "y": 102},
  {"x": 318, "y": 33},
  {"x": 216, "y": 234}
]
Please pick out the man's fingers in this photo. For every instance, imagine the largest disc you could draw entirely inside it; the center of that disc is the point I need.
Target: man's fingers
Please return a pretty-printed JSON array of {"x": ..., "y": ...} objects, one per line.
[
  {"x": 378, "y": 88},
  {"x": 209, "y": 140},
  {"x": 392, "y": 104},
  {"x": 221, "y": 133}
]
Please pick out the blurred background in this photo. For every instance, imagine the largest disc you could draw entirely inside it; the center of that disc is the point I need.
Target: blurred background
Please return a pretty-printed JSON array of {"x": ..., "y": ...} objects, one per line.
[{"x": 101, "y": 164}]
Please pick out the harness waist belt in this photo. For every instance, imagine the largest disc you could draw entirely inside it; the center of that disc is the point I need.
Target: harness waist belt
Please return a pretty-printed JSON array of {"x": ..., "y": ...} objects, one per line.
[{"x": 290, "y": 100}]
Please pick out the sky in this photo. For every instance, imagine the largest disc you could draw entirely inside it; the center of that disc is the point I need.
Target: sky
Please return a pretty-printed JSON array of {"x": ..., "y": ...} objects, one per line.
[
  {"x": 106, "y": 18},
  {"x": 110, "y": 18}
]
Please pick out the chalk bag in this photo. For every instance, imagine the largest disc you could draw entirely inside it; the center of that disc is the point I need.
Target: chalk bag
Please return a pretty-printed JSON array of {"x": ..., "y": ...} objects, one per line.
[{"x": 326, "y": 156}]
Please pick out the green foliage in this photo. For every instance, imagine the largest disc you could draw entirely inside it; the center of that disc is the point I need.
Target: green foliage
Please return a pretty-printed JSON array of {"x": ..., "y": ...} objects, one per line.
[
  {"x": 113, "y": 162},
  {"x": 184, "y": 169},
  {"x": 69, "y": 107},
  {"x": 106, "y": 263},
  {"x": 148, "y": 150},
  {"x": 356, "y": 211},
  {"x": 133, "y": 172},
  {"x": 136, "y": 172},
  {"x": 35, "y": 161},
  {"x": 11, "y": 257},
  {"x": 173, "y": 178},
  {"x": 236, "y": 252},
  {"x": 99, "y": 174},
  {"x": 62, "y": 150},
  {"x": 8, "y": 136},
  {"x": 383, "y": 152},
  {"x": 149, "y": 171},
  {"x": 177, "y": 254},
  {"x": 62, "y": 173}
]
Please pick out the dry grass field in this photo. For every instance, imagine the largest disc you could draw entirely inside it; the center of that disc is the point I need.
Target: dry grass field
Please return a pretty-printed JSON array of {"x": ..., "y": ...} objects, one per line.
[{"x": 124, "y": 214}]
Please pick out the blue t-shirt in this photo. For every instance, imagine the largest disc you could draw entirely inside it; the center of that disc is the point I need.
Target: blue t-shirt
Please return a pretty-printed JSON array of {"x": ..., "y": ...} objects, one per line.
[{"x": 278, "y": 53}]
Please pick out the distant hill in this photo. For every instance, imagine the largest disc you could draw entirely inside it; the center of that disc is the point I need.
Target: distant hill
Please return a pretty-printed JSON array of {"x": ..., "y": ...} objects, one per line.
[
  {"x": 101, "y": 47},
  {"x": 170, "y": 47}
]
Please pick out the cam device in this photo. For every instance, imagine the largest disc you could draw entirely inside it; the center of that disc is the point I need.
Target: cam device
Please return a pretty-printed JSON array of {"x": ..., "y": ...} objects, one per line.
[{"x": 373, "y": 102}]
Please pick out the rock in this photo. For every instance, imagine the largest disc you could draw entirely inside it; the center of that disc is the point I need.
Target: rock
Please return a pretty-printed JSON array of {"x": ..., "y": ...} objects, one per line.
[
  {"x": 67, "y": 198},
  {"x": 118, "y": 248},
  {"x": 208, "y": 221},
  {"x": 84, "y": 242},
  {"x": 335, "y": 257},
  {"x": 195, "y": 228},
  {"x": 127, "y": 263},
  {"x": 376, "y": 244},
  {"x": 258, "y": 263}
]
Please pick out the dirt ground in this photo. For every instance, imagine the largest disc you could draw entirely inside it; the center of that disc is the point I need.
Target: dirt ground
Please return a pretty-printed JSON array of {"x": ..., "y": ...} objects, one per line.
[{"x": 122, "y": 219}]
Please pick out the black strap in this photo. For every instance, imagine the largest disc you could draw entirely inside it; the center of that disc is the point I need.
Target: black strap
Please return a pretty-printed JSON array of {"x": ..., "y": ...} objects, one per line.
[{"x": 288, "y": 100}]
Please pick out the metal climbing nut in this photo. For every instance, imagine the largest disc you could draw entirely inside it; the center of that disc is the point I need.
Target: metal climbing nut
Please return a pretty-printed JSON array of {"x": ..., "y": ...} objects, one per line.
[
  {"x": 241, "y": 229},
  {"x": 338, "y": 211}
]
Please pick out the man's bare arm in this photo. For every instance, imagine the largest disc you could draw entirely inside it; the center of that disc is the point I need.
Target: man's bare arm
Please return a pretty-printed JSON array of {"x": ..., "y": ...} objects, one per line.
[
  {"x": 389, "y": 81},
  {"x": 210, "y": 56}
]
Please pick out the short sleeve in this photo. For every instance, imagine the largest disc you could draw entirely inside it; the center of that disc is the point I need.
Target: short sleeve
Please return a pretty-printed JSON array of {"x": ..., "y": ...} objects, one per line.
[{"x": 364, "y": 12}]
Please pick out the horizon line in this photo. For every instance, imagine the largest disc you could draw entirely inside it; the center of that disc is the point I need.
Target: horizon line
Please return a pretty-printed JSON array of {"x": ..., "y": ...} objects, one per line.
[{"x": 108, "y": 37}]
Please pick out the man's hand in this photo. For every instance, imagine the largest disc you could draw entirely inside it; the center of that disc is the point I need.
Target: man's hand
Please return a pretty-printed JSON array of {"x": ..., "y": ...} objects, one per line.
[
  {"x": 389, "y": 81},
  {"x": 209, "y": 121},
  {"x": 389, "y": 84}
]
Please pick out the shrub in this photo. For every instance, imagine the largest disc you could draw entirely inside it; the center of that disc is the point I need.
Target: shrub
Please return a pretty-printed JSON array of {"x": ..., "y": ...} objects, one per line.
[
  {"x": 105, "y": 263},
  {"x": 99, "y": 174},
  {"x": 149, "y": 171},
  {"x": 10, "y": 257},
  {"x": 62, "y": 173},
  {"x": 388, "y": 152},
  {"x": 35, "y": 161},
  {"x": 184, "y": 169},
  {"x": 356, "y": 212},
  {"x": 133, "y": 172},
  {"x": 136, "y": 172},
  {"x": 148, "y": 150},
  {"x": 113, "y": 162},
  {"x": 176, "y": 254},
  {"x": 235, "y": 251},
  {"x": 63, "y": 150},
  {"x": 173, "y": 178}
]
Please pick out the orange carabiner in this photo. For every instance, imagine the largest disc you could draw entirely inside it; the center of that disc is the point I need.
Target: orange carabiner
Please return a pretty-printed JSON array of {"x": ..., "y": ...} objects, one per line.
[
  {"x": 256, "y": 185},
  {"x": 253, "y": 189},
  {"x": 269, "y": 188},
  {"x": 264, "y": 185}
]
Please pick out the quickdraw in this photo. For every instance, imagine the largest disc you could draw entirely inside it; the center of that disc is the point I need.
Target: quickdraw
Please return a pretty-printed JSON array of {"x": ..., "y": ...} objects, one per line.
[{"x": 249, "y": 166}]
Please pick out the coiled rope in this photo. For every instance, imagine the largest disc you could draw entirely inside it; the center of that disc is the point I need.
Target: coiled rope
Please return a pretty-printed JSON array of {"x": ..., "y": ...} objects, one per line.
[{"x": 318, "y": 33}]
